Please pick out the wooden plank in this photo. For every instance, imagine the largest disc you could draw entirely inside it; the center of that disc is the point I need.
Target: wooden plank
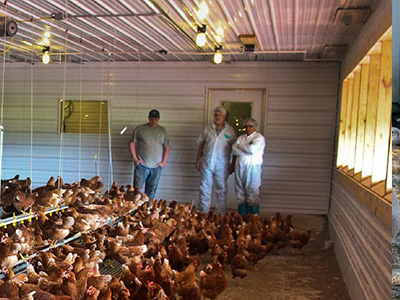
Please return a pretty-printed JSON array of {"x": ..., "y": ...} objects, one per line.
[
  {"x": 362, "y": 112},
  {"x": 375, "y": 204},
  {"x": 354, "y": 118},
  {"x": 380, "y": 188},
  {"x": 367, "y": 181},
  {"x": 347, "y": 138},
  {"x": 383, "y": 115},
  {"x": 370, "y": 126},
  {"x": 343, "y": 126},
  {"x": 388, "y": 197},
  {"x": 357, "y": 176},
  {"x": 388, "y": 189},
  {"x": 365, "y": 238}
]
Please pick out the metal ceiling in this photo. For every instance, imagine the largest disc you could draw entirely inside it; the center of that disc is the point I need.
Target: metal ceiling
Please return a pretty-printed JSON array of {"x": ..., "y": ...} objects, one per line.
[{"x": 165, "y": 30}]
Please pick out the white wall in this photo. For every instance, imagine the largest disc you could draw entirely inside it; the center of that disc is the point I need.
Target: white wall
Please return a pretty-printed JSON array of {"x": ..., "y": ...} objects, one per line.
[{"x": 299, "y": 123}]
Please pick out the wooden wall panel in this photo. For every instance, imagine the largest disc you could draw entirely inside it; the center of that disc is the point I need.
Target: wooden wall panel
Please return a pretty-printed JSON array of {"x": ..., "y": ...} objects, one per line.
[
  {"x": 362, "y": 244},
  {"x": 362, "y": 241}
]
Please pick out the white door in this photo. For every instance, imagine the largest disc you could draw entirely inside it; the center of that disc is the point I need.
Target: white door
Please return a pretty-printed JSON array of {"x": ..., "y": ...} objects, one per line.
[{"x": 240, "y": 104}]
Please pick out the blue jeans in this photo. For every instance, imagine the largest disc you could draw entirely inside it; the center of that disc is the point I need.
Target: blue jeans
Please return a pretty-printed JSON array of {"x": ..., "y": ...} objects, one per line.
[{"x": 148, "y": 176}]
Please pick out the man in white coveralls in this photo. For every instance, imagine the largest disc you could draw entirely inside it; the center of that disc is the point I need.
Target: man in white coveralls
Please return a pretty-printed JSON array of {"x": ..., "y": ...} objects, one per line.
[{"x": 214, "y": 160}]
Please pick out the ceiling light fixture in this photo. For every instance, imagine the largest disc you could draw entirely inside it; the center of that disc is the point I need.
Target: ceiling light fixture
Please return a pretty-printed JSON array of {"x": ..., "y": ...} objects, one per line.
[
  {"x": 27, "y": 43},
  {"x": 46, "y": 55},
  {"x": 203, "y": 12},
  {"x": 218, "y": 55},
  {"x": 201, "y": 35}
]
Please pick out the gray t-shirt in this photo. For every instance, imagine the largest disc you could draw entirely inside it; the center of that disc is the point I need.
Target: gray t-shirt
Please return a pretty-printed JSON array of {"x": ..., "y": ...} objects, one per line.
[{"x": 150, "y": 143}]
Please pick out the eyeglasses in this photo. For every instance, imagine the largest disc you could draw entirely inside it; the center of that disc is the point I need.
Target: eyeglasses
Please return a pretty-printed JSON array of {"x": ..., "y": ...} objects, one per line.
[{"x": 248, "y": 126}]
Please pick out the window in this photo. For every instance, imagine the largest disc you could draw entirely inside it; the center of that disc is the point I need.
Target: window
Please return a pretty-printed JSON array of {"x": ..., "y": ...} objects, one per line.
[
  {"x": 84, "y": 116},
  {"x": 364, "y": 149},
  {"x": 237, "y": 113}
]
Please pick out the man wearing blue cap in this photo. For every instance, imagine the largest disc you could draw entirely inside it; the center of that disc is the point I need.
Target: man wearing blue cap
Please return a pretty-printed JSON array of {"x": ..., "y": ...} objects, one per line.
[{"x": 150, "y": 150}]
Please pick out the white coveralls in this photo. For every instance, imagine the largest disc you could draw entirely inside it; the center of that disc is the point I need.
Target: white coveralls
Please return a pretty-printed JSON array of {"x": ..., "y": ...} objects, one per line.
[
  {"x": 249, "y": 151},
  {"x": 214, "y": 164}
]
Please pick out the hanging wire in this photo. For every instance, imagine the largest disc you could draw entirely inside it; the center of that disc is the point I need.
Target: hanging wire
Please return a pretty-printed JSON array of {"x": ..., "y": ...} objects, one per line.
[
  {"x": 4, "y": 72},
  {"x": 2, "y": 105},
  {"x": 136, "y": 107},
  {"x": 111, "y": 177},
  {"x": 109, "y": 95},
  {"x": 9, "y": 46},
  {"x": 101, "y": 117},
  {"x": 80, "y": 116},
  {"x": 60, "y": 166},
  {"x": 32, "y": 104}
]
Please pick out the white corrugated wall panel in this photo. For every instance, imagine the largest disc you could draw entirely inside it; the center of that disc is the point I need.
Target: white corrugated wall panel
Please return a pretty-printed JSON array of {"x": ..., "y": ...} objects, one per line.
[{"x": 298, "y": 129}]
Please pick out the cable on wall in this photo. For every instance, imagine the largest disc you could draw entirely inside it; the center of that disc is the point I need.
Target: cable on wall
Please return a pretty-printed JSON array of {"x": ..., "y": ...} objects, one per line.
[
  {"x": 9, "y": 46},
  {"x": 2, "y": 102},
  {"x": 111, "y": 177},
  {"x": 136, "y": 107},
  {"x": 80, "y": 114},
  {"x": 110, "y": 94},
  {"x": 32, "y": 105},
  {"x": 4, "y": 73},
  {"x": 98, "y": 158}
]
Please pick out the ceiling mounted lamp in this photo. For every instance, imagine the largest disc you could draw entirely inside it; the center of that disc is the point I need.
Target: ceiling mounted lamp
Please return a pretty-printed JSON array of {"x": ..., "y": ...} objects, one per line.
[
  {"x": 46, "y": 55},
  {"x": 201, "y": 35},
  {"x": 218, "y": 55}
]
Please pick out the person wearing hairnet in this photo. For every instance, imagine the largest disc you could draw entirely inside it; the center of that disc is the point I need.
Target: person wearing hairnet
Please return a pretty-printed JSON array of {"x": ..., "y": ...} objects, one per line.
[
  {"x": 214, "y": 161},
  {"x": 249, "y": 151}
]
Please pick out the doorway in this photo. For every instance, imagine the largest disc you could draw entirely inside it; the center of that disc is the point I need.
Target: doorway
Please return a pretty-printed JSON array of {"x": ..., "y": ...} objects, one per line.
[{"x": 240, "y": 103}]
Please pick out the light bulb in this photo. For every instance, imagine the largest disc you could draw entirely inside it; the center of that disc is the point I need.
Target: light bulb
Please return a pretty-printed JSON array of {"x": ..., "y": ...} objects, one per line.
[
  {"x": 220, "y": 31},
  {"x": 217, "y": 58},
  {"x": 203, "y": 13},
  {"x": 201, "y": 39},
  {"x": 46, "y": 58}
]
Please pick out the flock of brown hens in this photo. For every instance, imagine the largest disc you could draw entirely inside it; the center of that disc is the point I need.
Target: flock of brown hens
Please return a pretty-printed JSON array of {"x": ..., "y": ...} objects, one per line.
[{"x": 159, "y": 245}]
